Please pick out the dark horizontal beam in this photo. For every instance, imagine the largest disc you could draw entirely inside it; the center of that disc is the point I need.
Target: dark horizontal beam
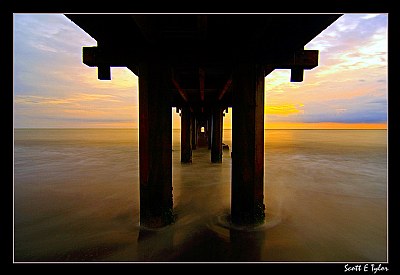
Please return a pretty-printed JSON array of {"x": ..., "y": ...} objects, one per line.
[
  {"x": 95, "y": 56},
  {"x": 304, "y": 59}
]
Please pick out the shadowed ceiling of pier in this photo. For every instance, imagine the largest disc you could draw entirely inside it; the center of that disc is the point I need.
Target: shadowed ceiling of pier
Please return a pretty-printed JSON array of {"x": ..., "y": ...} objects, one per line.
[{"x": 201, "y": 49}]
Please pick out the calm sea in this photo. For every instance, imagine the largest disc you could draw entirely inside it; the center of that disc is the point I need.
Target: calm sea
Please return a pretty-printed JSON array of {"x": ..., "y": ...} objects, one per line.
[{"x": 76, "y": 198}]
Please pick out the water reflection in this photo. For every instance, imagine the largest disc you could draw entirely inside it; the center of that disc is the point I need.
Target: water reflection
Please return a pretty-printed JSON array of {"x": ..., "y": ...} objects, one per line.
[
  {"x": 247, "y": 246},
  {"x": 201, "y": 205},
  {"x": 77, "y": 199},
  {"x": 154, "y": 245},
  {"x": 200, "y": 244}
]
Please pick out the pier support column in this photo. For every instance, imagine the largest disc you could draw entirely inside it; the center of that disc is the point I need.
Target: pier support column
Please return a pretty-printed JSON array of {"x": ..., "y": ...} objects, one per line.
[
  {"x": 155, "y": 146},
  {"x": 216, "y": 135},
  {"x": 194, "y": 133},
  {"x": 247, "y": 201},
  {"x": 186, "y": 137},
  {"x": 209, "y": 132}
]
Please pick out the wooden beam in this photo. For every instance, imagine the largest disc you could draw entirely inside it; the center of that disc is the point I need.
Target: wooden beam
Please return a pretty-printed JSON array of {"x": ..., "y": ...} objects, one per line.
[
  {"x": 181, "y": 92},
  {"x": 202, "y": 26},
  {"x": 202, "y": 74},
  {"x": 193, "y": 121},
  {"x": 298, "y": 62},
  {"x": 216, "y": 136},
  {"x": 186, "y": 136},
  {"x": 225, "y": 89},
  {"x": 93, "y": 56},
  {"x": 268, "y": 69},
  {"x": 296, "y": 75},
  {"x": 104, "y": 72},
  {"x": 305, "y": 59},
  {"x": 89, "y": 55},
  {"x": 147, "y": 27}
]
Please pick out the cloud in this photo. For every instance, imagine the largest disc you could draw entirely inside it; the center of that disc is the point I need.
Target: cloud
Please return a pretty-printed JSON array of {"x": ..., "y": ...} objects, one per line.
[
  {"x": 82, "y": 107},
  {"x": 362, "y": 109},
  {"x": 369, "y": 16},
  {"x": 52, "y": 87},
  {"x": 53, "y": 30},
  {"x": 351, "y": 37},
  {"x": 350, "y": 84},
  {"x": 51, "y": 84},
  {"x": 76, "y": 98},
  {"x": 284, "y": 109}
]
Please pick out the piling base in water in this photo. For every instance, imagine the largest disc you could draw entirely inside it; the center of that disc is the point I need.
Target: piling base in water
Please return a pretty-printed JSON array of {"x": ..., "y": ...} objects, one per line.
[{"x": 224, "y": 221}]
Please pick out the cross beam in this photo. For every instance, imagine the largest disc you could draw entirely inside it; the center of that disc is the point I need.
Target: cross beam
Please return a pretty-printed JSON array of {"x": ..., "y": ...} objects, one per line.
[
  {"x": 225, "y": 89},
  {"x": 95, "y": 56},
  {"x": 202, "y": 74},
  {"x": 181, "y": 92}
]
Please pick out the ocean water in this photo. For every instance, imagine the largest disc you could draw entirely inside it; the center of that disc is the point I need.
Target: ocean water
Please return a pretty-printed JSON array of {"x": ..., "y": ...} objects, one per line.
[{"x": 76, "y": 198}]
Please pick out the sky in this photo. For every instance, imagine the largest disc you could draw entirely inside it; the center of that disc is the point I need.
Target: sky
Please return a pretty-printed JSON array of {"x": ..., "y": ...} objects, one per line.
[{"x": 53, "y": 88}]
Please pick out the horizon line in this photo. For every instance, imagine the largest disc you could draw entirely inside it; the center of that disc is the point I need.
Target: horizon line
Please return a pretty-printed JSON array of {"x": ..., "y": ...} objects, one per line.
[{"x": 132, "y": 128}]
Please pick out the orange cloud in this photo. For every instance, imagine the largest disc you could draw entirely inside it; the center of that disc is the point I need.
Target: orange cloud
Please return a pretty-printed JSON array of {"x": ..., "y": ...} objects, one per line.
[
  {"x": 323, "y": 125},
  {"x": 74, "y": 98},
  {"x": 283, "y": 109}
]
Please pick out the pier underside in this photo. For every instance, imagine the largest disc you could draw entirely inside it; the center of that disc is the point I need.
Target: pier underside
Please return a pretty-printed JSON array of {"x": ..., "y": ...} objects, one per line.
[{"x": 202, "y": 64}]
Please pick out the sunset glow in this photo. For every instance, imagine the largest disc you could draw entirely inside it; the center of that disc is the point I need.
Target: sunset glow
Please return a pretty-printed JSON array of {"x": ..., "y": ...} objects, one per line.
[
  {"x": 52, "y": 88},
  {"x": 325, "y": 125}
]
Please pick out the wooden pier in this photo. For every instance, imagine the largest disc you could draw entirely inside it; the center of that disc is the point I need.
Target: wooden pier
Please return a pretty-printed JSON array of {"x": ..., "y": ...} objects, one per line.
[{"x": 201, "y": 64}]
